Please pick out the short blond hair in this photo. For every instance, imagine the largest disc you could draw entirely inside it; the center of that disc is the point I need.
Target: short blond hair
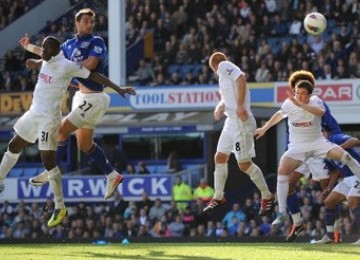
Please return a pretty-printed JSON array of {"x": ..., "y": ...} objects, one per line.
[
  {"x": 216, "y": 58},
  {"x": 84, "y": 11}
]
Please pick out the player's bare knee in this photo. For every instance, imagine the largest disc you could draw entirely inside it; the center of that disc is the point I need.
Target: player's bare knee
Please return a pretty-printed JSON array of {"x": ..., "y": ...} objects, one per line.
[
  {"x": 291, "y": 188},
  {"x": 283, "y": 171},
  {"x": 49, "y": 162},
  {"x": 244, "y": 166},
  {"x": 220, "y": 158},
  {"x": 16, "y": 145},
  {"x": 353, "y": 202},
  {"x": 86, "y": 147},
  {"x": 345, "y": 157},
  {"x": 330, "y": 202}
]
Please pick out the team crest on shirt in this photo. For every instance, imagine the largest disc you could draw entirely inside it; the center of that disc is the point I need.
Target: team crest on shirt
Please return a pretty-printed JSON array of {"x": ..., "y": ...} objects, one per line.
[
  {"x": 229, "y": 71},
  {"x": 97, "y": 49},
  {"x": 85, "y": 45},
  {"x": 76, "y": 55}
]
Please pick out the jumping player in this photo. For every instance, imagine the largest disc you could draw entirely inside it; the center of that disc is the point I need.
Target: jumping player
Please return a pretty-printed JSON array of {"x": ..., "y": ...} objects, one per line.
[
  {"x": 237, "y": 133},
  {"x": 89, "y": 103},
  {"x": 304, "y": 112},
  {"x": 42, "y": 121}
]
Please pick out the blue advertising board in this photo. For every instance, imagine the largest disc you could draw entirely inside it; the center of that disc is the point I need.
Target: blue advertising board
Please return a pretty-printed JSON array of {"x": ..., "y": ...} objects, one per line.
[{"x": 89, "y": 188}]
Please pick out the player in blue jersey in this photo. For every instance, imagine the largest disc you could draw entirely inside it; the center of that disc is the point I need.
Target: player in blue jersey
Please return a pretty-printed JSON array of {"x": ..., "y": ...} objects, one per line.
[
  {"x": 89, "y": 103},
  {"x": 348, "y": 189},
  {"x": 317, "y": 167}
]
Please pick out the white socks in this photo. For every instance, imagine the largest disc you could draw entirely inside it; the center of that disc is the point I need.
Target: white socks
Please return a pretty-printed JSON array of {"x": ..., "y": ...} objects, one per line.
[
  {"x": 297, "y": 219},
  {"x": 282, "y": 189},
  {"x": 337, "y": 225},
  {"x": 56, "y": 187},
  {"x": 220, "y": 176},
  {"x": 258, "y": 178},
  {"x": 351, "y": 163},
  {"x": 7, "y": 163}
]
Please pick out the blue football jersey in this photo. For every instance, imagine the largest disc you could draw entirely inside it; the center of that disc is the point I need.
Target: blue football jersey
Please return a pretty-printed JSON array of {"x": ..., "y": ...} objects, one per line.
[
  {"x": 80, "y": 48},
  {"x": 329, "y": 121}
]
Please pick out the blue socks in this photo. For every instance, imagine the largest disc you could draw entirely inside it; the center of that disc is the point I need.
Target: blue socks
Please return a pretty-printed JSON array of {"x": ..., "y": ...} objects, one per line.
[
  {"x": 61, "y": 151},
  {"x": 330, "y": 215},
  {"x": 356, "y": 213},
  {"x": 97, "y": 156},
  {"x": 293, "y": 203}
]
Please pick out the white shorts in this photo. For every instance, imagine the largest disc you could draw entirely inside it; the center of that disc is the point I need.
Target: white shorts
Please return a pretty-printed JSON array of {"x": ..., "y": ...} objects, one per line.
[
  {"x": 238, "y": 137},
  {"x": 317, "y": 149},
  {"x": 32, "y": 127},
  {"x": 87, "y": 109},
  {"x": 315, "y": 166},
  {"x": 349, "y": 187}
]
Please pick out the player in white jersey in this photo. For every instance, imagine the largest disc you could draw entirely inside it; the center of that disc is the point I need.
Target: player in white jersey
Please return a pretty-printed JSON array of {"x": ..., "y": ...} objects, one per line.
[
  {"x": 316, "y": 168},
  {"x": 304, "y": 112},
  {"x": 42, "y": 121},
  {"x": 237, "y": 134}
]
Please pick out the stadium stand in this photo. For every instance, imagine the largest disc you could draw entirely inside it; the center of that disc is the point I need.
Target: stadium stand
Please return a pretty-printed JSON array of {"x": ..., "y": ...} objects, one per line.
[
  {"x": 12, "y": 10},
  {"x": 240, "y": 38}
]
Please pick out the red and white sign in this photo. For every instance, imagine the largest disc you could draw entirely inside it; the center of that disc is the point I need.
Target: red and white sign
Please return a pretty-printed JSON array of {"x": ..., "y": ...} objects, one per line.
[{"x": 335, "y": 92}]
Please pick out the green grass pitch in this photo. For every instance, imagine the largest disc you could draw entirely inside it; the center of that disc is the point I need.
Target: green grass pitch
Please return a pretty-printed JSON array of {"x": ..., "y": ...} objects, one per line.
[{"x": 177, "y": 251}]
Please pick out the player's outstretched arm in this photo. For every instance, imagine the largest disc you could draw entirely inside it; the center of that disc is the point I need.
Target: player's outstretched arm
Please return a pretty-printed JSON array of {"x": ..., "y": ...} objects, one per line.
[
  {"x": 334, "y": 174},
  {"x": 25, "y": 43},
  {"x": 351, "y": 142},
  {"x": 275, "y": 119},
  {"x": 33, "y": 64},
  {"x": 101, "y": 79}
]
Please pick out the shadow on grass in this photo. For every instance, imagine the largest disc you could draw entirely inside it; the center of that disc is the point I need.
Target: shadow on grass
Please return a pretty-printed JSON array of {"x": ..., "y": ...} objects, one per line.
[
  {"x": 153, "y": 255},
  {"x": 346, "y": 249}
]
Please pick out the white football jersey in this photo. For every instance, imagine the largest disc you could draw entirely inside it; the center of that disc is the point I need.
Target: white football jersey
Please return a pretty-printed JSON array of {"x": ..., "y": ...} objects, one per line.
[
  {"x": 304, "y": 127},
  {"x": 54, "y": 77},
  {"x": 228, "y": 73}
]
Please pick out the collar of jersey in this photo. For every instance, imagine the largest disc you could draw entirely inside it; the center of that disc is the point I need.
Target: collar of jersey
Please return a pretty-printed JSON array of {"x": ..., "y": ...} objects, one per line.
[
  {"x": 55, "y": 58},
  {"x": 84, "y": 36}
]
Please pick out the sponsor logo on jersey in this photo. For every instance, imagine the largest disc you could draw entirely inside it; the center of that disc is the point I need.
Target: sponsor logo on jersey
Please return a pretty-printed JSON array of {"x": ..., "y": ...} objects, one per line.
[
  {"x": 302, "y": 124},
  {"x": 85, "y": 44},
  {"x": 45, "y": 78}
]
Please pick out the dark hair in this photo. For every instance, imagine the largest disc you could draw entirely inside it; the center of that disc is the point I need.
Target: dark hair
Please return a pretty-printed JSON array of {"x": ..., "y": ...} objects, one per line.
[
  {"x": 305, "y": 84},
  {"x": 84, "y": 11},
  {"x": 55, "y": 42}
]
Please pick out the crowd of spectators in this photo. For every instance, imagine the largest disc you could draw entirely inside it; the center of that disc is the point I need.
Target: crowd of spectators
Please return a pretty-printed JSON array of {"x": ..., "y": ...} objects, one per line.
[
  {"x": 14, "y": 77},
  {"x": 119, "y": 219},
  {"x": 11, "y": 10},
  {"x": 264, "y": 37}
]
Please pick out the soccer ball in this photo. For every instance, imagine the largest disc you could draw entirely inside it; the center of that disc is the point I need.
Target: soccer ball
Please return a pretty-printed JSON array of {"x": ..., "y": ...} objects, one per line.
[{"x": 315, "y": 23}]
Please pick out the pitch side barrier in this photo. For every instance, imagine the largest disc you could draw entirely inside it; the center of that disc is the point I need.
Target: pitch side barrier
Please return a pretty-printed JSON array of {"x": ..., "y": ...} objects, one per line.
[{"x": 92, "y": 188}]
